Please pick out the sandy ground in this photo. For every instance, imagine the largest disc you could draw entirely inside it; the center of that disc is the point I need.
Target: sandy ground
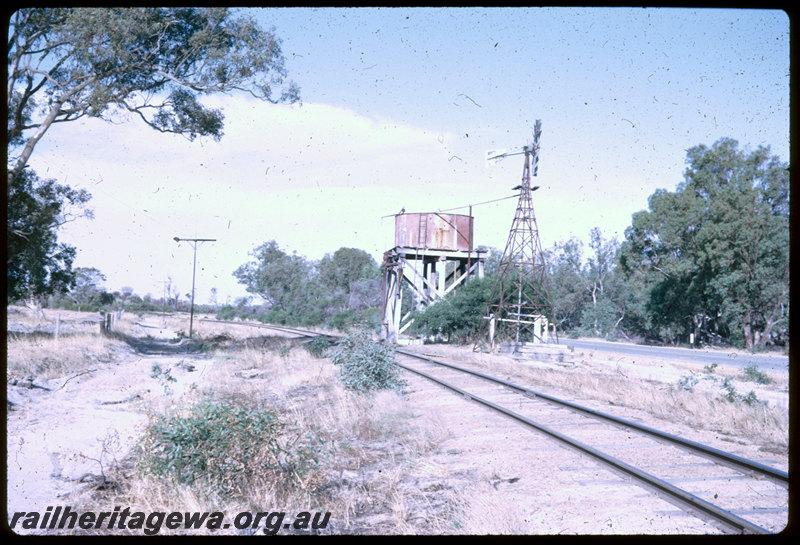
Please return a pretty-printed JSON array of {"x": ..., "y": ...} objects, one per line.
[
  {"x": 539, "y": 486},
  {"x": 68, "y": 434},
  {"x": 548, "y": 489},
  {"x": 71, "y": 434}
]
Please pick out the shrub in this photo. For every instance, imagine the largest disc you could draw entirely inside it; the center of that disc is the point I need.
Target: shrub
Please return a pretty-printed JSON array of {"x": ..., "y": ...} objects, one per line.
[
  {"x": 225, "y": 446},
  {"x": 347, "y": 319},
  {"x": 163, "y": 377},
  {"x": 226, "y": 312},
  {"x": 733, "y": 396},
  {"x": 687, "y": 383},
  {"x": 343, "y": 320},
  {"x": 274, "y": 316},
  {"x": 318, "y": 345},
  {"x": 752, "y": 373},
  {"x": 366, "y": 365},
  {"x": 458, "y": 316}
]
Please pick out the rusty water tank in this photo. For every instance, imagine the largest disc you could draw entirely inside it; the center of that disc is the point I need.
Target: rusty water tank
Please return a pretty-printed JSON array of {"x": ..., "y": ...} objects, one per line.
[{"x": 433, "y": 230}]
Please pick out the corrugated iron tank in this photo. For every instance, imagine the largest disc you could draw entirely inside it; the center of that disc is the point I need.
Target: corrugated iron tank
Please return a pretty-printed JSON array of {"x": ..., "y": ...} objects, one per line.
[{"x": 434, "y": 230}]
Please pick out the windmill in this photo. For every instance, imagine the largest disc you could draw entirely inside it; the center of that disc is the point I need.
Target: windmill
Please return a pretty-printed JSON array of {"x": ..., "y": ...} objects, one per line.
[{"x": 518, "y": 306}]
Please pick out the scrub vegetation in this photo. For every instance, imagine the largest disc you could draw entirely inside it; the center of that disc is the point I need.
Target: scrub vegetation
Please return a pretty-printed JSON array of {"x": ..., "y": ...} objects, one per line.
[{"x": 255, "y": 422}]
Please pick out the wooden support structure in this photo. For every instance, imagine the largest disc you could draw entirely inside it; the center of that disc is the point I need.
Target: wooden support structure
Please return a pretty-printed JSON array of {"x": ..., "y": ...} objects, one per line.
[{"x": 428, "y": 275}]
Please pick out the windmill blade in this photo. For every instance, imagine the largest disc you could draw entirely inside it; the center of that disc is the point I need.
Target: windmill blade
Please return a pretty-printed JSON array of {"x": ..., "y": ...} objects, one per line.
[{"x": 537, "y": 134}]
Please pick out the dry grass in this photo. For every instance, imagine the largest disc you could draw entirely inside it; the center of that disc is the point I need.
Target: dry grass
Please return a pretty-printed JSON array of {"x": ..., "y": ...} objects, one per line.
[
  {"x": 34, "y": 350},
  {"x": 376, "y": 475},
  {"x": 50, "y": 358},
  {"x": 489, "y": 512},
  {"x": 700, "y": 409},
  {"x": 373, "y": 477},
  {"x": 370, "y": 444}
]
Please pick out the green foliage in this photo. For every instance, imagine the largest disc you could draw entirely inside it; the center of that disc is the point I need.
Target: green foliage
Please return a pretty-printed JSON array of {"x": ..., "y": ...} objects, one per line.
[
  {"x": 753, "y": 373},
  {"x": 712, "y": 258},
  {"x": 687, "y": 382},
  {"x": 347, "y": 319},
  {"x": 344, "y": 267},
  {"x": 275, "y": 276},
  {"x": 226, "y": 312},
  {"x": 38, "y": 265},
  {"x": 163, "y": 377},
  {"x": 566, "y": 283},
  {"x": 304, "y": 293},
  {"x": 154, "y": 62},
  {"x": 588, "y": 295},
  {"x": 226, "y": 446},
  {"x": 318, "y": 345},
  {"x": 599, "y": 319},
  {"x": 88, "y": 291},
  {"x": 731, "y": 395},
  {"x": 366, "y": 365},
  {"x": 459, "y": 315}
]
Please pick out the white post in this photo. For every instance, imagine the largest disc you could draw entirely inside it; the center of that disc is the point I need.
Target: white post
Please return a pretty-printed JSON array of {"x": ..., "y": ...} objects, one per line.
[{"x": 441, "y": 264}]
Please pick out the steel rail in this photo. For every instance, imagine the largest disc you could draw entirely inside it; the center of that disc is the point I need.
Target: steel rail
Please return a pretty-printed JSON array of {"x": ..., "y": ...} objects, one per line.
[
  {"x": 726, "y": 458},
  {"x": 293, "y": 330},
  {"x": 719, "y": 456},
  {"x": 683, "y": 498},
  {"x": 677, "y": 495},
  {"x": 731, "y": 460}
]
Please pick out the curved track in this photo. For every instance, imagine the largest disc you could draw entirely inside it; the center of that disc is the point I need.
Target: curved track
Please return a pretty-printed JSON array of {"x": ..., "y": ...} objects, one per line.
[{"x": 709, "y": 483}]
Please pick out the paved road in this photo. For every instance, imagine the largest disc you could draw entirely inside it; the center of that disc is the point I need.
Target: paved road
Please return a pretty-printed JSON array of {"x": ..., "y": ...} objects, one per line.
[{"x": 699, "y": 355}]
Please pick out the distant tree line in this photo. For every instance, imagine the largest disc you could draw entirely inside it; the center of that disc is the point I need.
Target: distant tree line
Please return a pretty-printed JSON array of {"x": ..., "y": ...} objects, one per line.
[
  {"x": 707, "y": 262},
  {"x": 88, "y": 294},
  {"x": 340, "y": 290}
]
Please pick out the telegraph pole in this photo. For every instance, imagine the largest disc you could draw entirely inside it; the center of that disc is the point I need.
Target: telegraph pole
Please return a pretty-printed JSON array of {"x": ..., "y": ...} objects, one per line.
[{"x": 194, "y": 242}]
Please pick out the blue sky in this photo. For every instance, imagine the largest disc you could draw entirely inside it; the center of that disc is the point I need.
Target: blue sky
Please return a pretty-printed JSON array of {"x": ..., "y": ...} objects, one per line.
[{"x": 400, "y": 106}]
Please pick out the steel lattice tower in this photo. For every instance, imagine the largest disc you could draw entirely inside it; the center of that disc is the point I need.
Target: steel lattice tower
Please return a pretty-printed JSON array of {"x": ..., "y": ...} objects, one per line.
[{"x": 518, "y": 306}]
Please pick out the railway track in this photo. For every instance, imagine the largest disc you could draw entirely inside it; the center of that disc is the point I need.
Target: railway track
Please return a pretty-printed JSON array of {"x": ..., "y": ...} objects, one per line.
[{"x": 734, "y": 494}]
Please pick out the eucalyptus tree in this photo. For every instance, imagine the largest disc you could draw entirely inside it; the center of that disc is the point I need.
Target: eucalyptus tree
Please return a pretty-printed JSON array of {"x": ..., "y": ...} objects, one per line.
[
  {"x": 344, "y": 272},
  {"x": 153, "y": 63},
  {"x": 37, "y": 263},
  {"x": 88, "y": 288},
  {"x": 712, "y": 257},
  {"x": 566, "y": 282},
  {"x": 588, "y": 294},
  {"x": 606, "y": 292},
  {"x": 278, "y": 278}
]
